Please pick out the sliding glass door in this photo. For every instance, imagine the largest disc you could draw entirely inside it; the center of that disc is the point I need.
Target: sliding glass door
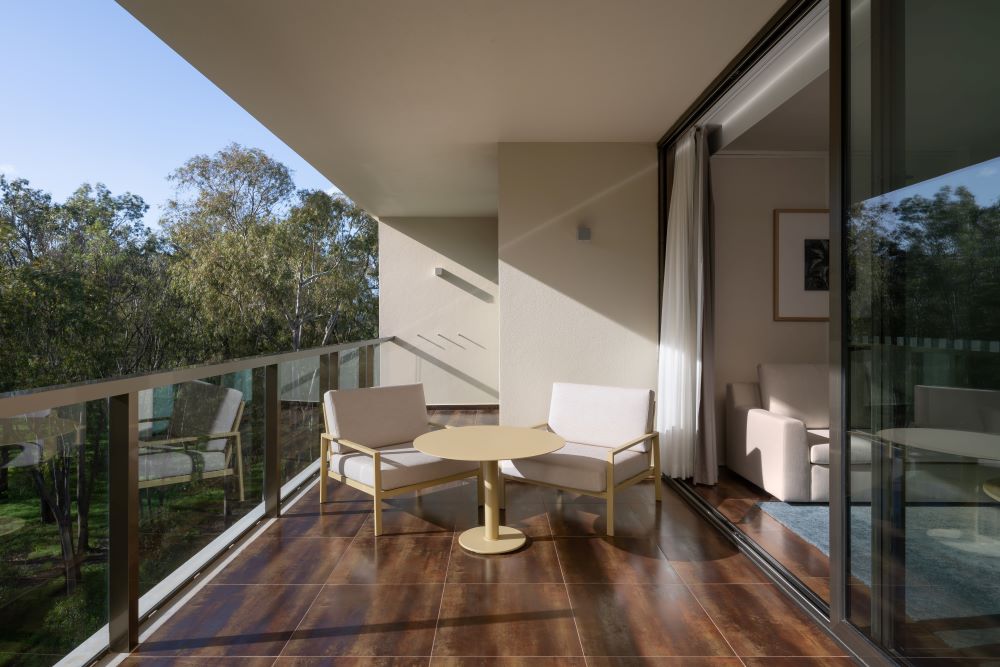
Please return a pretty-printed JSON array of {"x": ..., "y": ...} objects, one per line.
[{"x": 921, "y": 259}]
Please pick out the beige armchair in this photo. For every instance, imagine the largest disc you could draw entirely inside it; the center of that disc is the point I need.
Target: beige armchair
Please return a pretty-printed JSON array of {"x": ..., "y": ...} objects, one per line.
[
  {"x": 610, "y": 444},
  {"x": 368, "y": 445},
  {"x": 201, "y": 441}
]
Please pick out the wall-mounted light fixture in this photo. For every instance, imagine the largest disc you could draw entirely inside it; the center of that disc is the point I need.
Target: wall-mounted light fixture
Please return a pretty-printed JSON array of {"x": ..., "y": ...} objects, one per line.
[
  {"x": 583, "y": 233},
  {"x": 438, "y": 271}
]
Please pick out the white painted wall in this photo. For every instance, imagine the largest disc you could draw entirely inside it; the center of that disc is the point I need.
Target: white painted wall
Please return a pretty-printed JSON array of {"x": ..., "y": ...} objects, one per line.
[
  {"x": 446, "y": 326},
  {"x": 745, "y": 191},
  {"x": 569, "y": 310}
]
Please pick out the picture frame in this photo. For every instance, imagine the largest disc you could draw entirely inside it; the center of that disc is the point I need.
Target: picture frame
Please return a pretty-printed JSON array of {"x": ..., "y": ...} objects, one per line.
[{"x": 801, "y": 265}]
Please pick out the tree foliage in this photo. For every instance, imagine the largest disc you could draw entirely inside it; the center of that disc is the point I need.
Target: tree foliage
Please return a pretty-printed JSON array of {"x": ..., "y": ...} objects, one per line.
[{"x": 243, "y": 265}]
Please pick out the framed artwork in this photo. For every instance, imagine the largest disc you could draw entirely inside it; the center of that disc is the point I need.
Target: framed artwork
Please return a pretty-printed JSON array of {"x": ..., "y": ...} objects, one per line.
[{"x": 801, "y": 265}]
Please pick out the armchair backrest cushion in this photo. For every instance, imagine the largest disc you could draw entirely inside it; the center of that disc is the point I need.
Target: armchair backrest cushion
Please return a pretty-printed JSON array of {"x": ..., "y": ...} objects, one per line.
[
  {"x": 799, "y": 391},
  {"x": 201, "y": 408},
  {"x": 602, "y": 416},
  {"x": 376, "y": 417}
]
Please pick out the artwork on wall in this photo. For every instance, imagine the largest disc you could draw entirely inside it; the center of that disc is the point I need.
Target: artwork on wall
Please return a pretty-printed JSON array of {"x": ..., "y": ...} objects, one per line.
[{"x": 801, "y": 265}]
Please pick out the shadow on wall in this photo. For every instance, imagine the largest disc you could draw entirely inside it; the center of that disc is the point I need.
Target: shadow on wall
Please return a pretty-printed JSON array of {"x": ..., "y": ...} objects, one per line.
[
  {"x": 448, "y": 368},
  {"x": 465, "y": 285},
  {"x": 451, "y": 237},
  {"x": 611, "y": 189}
]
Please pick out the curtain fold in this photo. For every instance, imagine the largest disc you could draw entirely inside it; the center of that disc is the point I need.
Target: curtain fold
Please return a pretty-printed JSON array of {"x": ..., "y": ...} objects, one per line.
[{"x": 686, "y": 415}]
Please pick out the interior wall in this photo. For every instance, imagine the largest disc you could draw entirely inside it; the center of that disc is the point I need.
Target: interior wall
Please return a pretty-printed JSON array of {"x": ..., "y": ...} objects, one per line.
[
  {"x": 445, "y": 326},
  {"x": 745, "y": 190},
  {"x": 575, "y": 311}
]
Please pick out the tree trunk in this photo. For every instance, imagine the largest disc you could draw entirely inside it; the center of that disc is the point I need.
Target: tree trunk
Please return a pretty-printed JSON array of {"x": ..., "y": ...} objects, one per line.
[{"x": 64, "y": 525}]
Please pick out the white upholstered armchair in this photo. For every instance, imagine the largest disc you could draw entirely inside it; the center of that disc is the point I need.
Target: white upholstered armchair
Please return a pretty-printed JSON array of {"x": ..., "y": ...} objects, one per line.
[
  {"x": 610, "y": 444},
  {"x": 368, "y": 445}
]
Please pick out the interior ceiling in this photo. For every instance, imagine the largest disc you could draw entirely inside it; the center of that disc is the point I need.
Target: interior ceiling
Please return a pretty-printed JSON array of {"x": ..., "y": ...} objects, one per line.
[
  {"x": 401, "y": 104},
  {"x": 801, "y": 123}
]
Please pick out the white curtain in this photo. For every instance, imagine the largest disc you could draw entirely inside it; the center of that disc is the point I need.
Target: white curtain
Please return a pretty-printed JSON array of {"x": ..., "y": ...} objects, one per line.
[{"x": 681, "y": 418}]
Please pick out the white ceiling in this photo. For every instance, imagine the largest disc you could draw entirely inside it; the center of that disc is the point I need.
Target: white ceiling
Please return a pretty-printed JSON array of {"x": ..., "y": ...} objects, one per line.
[{"x": 401, "y": 103}]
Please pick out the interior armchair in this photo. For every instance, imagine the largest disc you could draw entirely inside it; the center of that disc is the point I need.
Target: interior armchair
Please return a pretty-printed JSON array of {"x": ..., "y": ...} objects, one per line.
[
  {"x": 368, "y": 445},
  {"x": 610, "y": 444},
  {"x": 201, "y": 439}
]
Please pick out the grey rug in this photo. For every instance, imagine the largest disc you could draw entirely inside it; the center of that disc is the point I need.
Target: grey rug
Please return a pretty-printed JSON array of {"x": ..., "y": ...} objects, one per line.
[{"x": 952, "y": 554}]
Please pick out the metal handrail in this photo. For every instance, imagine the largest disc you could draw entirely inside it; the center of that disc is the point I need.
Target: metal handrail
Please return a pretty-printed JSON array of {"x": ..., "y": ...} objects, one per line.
[{"x": 17, "y": 403}]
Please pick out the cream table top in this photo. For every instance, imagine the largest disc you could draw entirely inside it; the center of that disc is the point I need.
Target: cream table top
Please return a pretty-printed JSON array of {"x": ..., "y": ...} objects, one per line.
[
  {"x": 488, "y": 443},
  {"x": 947, "y": 441}
]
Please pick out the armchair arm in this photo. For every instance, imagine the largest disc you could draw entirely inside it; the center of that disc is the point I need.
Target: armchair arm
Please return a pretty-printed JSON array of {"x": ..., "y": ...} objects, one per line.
[
  {"x": 189, "y": 439},
  {"x": 439, "y": 426},
  {"x": 630, "y": 444},
  {"x": 543, "y": 424},
  {"x": 780, "y": 451},
  {"x": 350, "y": 444}
]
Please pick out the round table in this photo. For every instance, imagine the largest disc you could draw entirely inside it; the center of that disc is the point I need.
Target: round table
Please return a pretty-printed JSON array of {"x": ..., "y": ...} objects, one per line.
[
  {"x": 972, "y": 444},
  {"x": 489, "y": 445},
  {"x": 992, "y": 488}
]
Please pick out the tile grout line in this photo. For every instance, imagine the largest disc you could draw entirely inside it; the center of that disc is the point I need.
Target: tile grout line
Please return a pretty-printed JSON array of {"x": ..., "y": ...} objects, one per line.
[
  {"x": 444, "y": 584},
  {"x": 569, "y": 600},
  {"x": 320, "y": 591},
  {"x": 702, "y": 607}
]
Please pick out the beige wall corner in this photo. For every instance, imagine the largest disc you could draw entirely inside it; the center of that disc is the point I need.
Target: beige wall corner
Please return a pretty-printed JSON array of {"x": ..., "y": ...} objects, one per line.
[
  {"x": 576, "y": 311},
  {"x": 745, "y": 191},
  {"x": 445, "y": 326}
]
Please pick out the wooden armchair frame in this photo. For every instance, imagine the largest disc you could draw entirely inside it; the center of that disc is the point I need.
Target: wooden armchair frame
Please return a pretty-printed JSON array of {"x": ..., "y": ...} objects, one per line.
[
  {"x": 653, "y": 472},
  {"x": 188, "y": 445},
  {"x": 376, "y": 491}
]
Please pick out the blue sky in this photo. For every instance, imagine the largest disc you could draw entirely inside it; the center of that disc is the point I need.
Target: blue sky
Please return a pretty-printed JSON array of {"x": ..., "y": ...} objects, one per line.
[{"x": 90, "y": 95}]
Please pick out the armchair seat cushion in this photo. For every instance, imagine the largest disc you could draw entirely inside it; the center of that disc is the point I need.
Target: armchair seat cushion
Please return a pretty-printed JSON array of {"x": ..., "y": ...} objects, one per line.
[
  {"x": 577, "y": 466},
  {"x": 159, "y": 464},
  {"x": 402, "y": 465}
]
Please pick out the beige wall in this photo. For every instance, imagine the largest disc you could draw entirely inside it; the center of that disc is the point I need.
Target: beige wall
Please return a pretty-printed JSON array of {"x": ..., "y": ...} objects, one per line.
[
  {"x": 570, "y": 310},
  {"x": 446, "y": 326},
  {"x": 745, "y": 190}
]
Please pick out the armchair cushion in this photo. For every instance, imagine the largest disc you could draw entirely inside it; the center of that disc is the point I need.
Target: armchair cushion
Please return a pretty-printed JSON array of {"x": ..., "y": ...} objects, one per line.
[
  {"x": 157, "y": 463},
  {"x": 376, "y": 417},
  {"x": 578, "y": 466},
  {"x": 799, "y": 391},
  {"x": 601, "y": 416},
  {"x": 402, "y": 465}
]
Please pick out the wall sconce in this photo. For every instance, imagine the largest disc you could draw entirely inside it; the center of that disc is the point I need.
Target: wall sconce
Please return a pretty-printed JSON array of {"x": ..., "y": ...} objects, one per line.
[
  {"x": 583, "y": 233},
  {"x": 438, "y": 271}
]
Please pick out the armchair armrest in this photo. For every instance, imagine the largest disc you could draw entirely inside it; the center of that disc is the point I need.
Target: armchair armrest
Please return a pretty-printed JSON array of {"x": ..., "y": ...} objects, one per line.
[
  {"x": 780, "y": 450},
  {"x": 629, "y": 445},
  {"x": 188, "y": 439},
  {"x": 350, "y": 444},
  {"x": 543, "y": 424}
]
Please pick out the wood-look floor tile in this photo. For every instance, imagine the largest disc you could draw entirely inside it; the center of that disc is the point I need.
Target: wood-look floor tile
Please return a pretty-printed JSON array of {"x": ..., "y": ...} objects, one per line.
[
  {"x": 520, "y": 661},
  {"x": 409, "y": 516},
  {"x": 156, "y": 661},
  {"x": 759, "y": 620},
  {"x": 818, "y": 585},
  {"x": 636, "y": 620},
  {"x": 394, "y": 560},
  {"x": 233, "y": 621},
  {"x": 530, "y": 519},
  {"x": 709, "y": 558},
  {"x": 774, "y": 661},
  {"x": 341, "y": 661},
  {"x": 801, "y": 558},
  {"x": 506, "y": 620},
  {"x": 365, "y": 620},
  {"x": 614, "y": 560},
  {"x": 586, "y": 518},
  {"x": 285, "y": 560},
  {"x": 537, "y": 562},
  {"x": 333, "y": 519},
  {"x": 640, "y": 661}
]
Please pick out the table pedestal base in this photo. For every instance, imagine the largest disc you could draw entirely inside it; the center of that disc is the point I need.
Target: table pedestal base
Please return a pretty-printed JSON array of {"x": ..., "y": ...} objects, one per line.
[{"x": 474, "y": 540}]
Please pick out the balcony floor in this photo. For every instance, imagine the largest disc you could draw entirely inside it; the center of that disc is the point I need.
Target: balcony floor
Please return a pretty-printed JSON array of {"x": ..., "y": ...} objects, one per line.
[{"x": 316, "y": 585}]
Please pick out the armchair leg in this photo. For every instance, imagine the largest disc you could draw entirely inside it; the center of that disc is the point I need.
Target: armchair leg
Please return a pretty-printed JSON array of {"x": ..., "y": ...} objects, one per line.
[
  {"x": 378, "y": 514},
  {"x": 324, "y": 468},
  {"x": 239, "y": 467},
  {"x": 610, "y": 491},
  {"x": 657, "y": 475}
]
